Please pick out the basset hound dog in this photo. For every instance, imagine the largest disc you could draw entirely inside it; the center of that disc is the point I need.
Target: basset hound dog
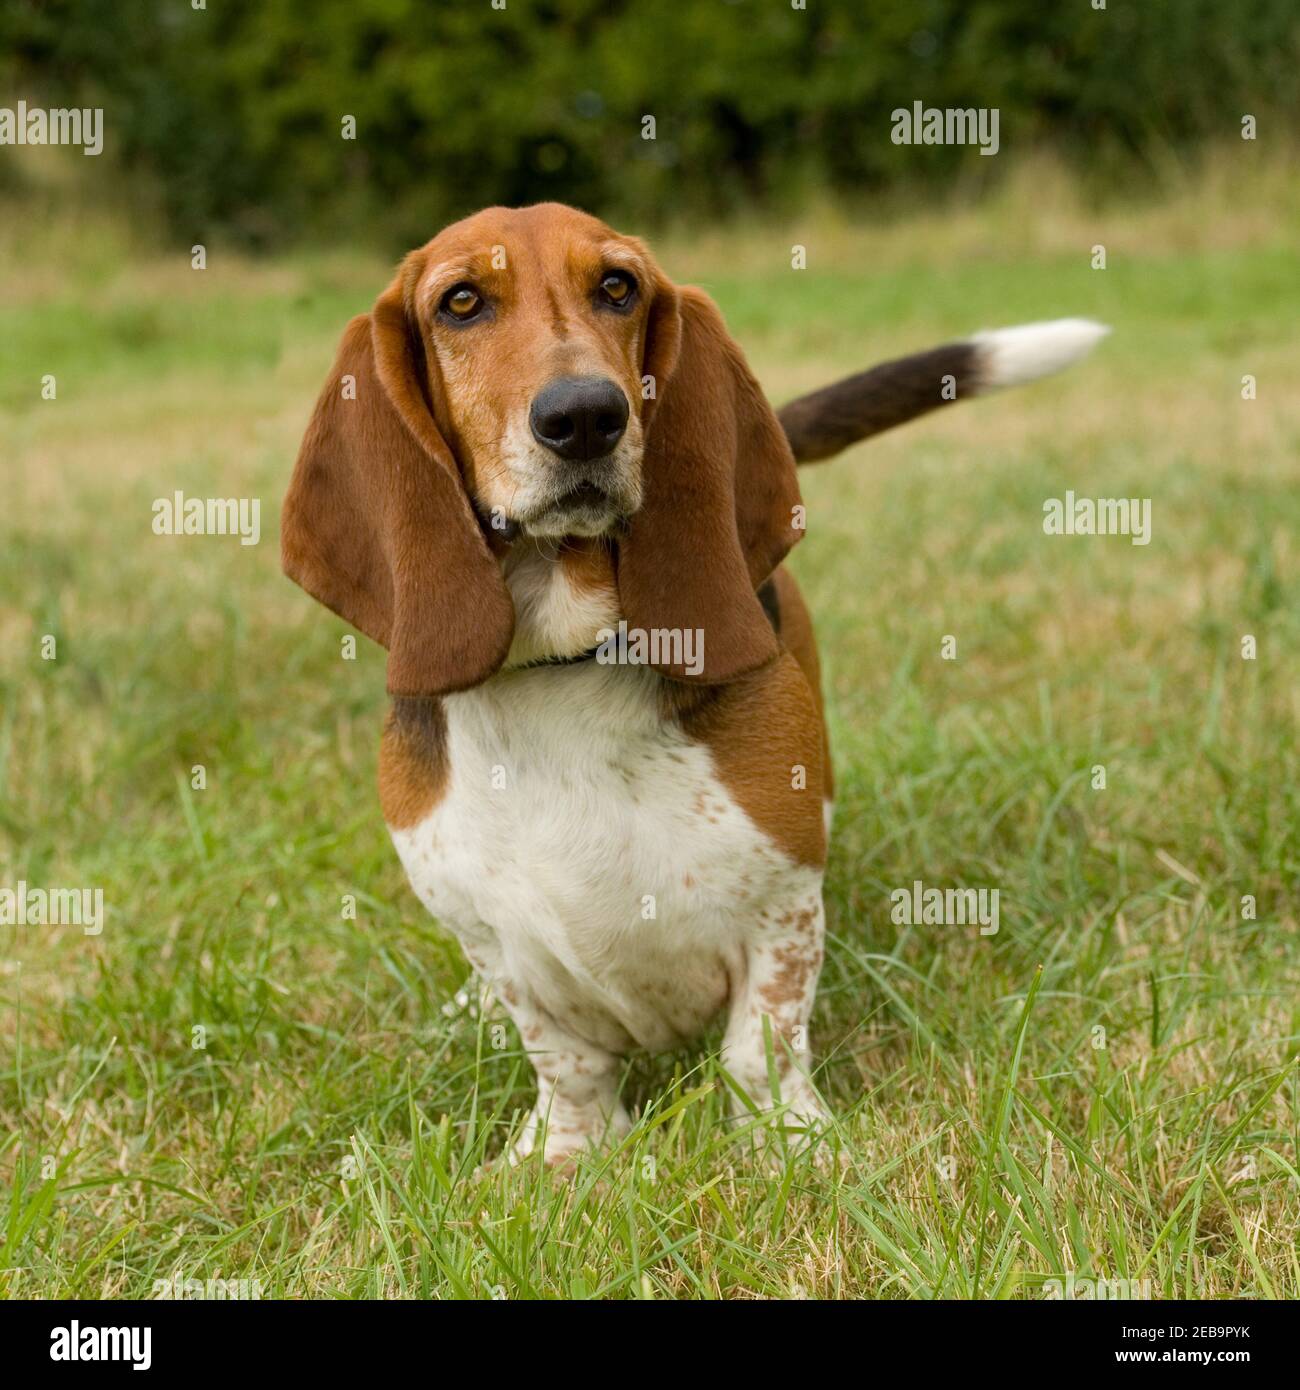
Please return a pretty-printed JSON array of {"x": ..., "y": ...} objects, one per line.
[{"x": 543, "y": 477}]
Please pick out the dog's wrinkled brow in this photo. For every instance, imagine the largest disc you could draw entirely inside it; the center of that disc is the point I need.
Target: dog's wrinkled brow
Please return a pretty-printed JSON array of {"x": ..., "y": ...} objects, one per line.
[
  {"x": 441, "y": 276},
  {"x": 621, "y": 256}
]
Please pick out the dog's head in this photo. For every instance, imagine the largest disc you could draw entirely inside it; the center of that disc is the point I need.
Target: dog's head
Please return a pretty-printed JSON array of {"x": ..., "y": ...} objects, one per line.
[{"x": 529, "y": 372}]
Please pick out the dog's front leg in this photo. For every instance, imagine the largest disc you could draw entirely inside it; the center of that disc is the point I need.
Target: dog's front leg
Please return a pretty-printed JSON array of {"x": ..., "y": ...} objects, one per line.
[
  {"x": 783, "y": 959},
  {"x": 577, "y": 1085}
]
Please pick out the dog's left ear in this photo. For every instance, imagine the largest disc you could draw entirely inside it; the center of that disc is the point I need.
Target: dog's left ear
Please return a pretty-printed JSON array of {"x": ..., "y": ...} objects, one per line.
[{"x": 720, "y": 495}]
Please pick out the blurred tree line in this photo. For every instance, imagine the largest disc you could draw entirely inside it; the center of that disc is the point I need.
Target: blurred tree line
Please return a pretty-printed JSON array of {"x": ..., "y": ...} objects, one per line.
[{"x": 234, "y": 113}]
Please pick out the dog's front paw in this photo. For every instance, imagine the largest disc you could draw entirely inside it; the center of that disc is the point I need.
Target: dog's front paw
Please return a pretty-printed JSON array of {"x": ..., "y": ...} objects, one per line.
[
  {"x": 566, "y": 1132},
  {"x": 800, "y": 1125}
]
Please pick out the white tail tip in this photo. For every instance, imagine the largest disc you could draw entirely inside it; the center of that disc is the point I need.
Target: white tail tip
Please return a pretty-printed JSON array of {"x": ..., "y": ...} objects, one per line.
[{"x": 1013, "y": 356}]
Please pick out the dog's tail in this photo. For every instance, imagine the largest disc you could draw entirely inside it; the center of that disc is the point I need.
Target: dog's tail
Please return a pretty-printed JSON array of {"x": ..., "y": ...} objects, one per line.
[{"x": 823, "y": 422}]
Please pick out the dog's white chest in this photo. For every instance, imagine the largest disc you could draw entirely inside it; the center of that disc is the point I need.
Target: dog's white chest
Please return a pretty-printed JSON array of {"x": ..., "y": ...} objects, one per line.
[{"x": 586, "y": 846}]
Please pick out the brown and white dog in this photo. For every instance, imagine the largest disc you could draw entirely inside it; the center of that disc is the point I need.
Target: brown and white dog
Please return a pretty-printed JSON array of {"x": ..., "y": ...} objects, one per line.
[{"x": 543, "y": 477}]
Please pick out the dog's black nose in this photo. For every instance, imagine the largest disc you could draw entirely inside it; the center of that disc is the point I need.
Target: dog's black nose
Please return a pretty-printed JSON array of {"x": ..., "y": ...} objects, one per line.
[{"x": 579, "y": 417}]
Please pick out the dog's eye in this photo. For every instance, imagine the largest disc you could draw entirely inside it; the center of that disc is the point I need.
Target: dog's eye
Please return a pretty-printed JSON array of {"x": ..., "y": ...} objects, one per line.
[
  {"x": 618, "y": 289},
  {"x": 462, "y": 303}
]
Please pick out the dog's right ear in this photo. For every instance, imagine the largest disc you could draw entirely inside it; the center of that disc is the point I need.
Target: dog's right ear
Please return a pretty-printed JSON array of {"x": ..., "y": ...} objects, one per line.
[{"x": 377, "y": 524}]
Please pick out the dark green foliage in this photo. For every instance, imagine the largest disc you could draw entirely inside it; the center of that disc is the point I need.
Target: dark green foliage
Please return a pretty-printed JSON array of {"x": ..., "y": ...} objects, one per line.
[{"x": 234, "y": 111}]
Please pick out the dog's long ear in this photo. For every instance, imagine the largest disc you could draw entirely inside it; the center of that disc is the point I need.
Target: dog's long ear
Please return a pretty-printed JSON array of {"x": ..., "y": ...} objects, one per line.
[
  {"x": 721, "y": 500},
  {"x": 377, "y": 524}
]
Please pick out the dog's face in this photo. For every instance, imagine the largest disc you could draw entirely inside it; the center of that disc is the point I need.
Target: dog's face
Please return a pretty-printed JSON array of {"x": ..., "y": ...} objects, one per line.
[
  {"x": 536, "y": 322},
  {"x": 531, "y": 371}
]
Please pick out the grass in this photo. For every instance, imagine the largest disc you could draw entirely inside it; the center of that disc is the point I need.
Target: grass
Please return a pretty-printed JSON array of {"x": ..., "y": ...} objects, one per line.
[{"x": 1107, "y": 1087}]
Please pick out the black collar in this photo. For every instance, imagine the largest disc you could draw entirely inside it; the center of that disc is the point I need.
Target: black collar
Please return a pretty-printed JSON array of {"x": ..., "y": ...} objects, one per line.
[
  {"x": 589, "y": 655},
  {"x": 616, "y": 644}
]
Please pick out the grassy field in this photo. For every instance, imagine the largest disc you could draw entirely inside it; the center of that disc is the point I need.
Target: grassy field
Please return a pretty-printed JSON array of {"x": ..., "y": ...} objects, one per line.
[{"x": 1107, "y": 1087}]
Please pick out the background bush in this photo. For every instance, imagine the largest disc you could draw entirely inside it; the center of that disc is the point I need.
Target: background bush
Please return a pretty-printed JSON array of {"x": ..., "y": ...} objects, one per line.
[{"x": 233, "y": 113}]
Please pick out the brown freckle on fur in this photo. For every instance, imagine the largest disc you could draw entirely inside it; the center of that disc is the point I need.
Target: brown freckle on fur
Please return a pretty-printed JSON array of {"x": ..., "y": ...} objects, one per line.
[
  {"x": 413, "y": 763},
  {"x": 792, "y": 978},
  {"x": 687, "y": 881}
]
